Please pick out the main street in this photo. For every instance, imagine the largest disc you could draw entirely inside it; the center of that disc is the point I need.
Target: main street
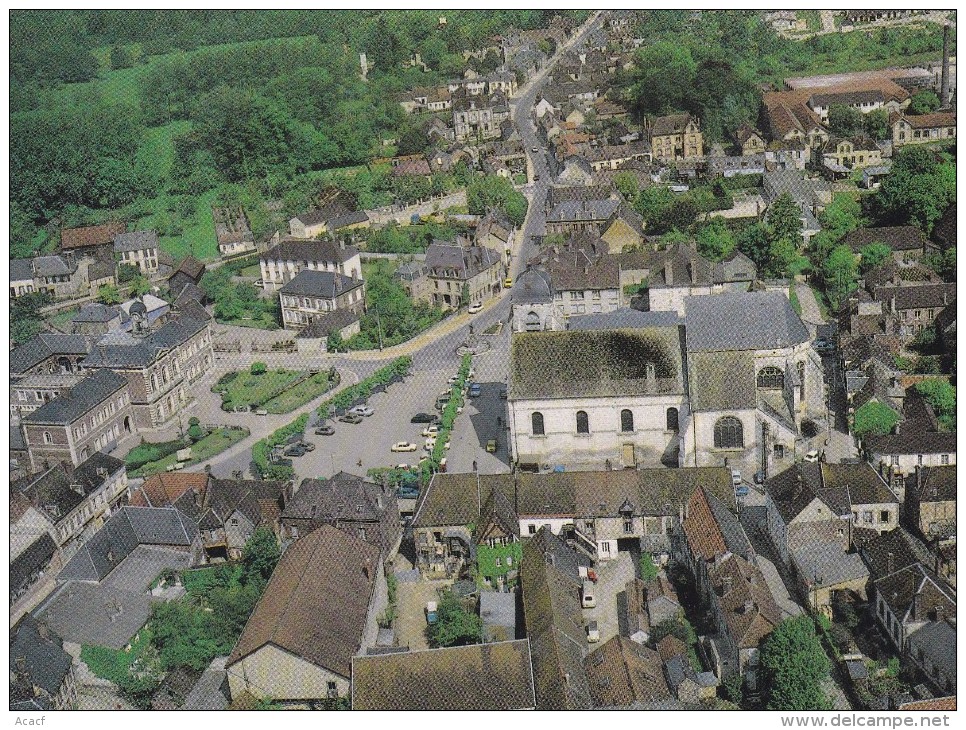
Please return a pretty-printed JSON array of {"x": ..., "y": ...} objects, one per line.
[{"x": 435, "y": 358}]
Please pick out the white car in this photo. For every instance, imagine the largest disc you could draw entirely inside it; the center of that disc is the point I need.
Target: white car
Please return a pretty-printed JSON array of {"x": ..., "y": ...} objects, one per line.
[
  {"x": 476, "y": 307},
  {"x": 812, "y": 455},
  {"x": 403, "y": 446},
  {"x": 431, "y": 431},
  {"x": 430, "y": 444},
  {"x": 735, "y": 477},
  {"x": 362, "y": 411}
]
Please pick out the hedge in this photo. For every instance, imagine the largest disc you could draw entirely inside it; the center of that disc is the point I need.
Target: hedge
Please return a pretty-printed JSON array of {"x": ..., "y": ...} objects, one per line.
[
  {"x": 263, "y": 448},
  {"x": 147, "y": 452}
]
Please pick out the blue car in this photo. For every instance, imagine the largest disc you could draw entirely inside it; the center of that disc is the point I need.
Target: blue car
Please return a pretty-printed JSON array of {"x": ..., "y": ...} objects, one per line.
[
  {"x": 741, "y": 490},
  {"x": 475, "y": 390}
]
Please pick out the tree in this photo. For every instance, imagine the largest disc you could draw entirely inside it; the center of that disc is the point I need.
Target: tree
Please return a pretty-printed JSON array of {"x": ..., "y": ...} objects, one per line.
[
  {"x": 108, "y": 294},
  {"x": 842, "y": 216},
  {"x": 648, "y": 569},
  {"x": 753, "y": 243},
  {"x": 873, "y": 419},
  {"x": 942, "y": 397},
  {"x": 126, "y": 273},
  {"x": 662, "y": 76},
  {"x": 793, "y": 666},
  {"x": 626, "y": 184},
  {"x": 924, "y": 102},
  {"x": 455, "y": 626},
  {"x": 785, "y": 220},
  {"x": 334, "y": 343},
  {"x": 493, "y": 191},
  {"x": 873, "y": 254},
  {"x": 877, "y": 124},
  {"x": 844, "y": 121},
  {"x": 258, "y": 368},
  {"x": 715, "y": 240},
  {"x": 732, "y": 688},
  {"x": 195, "y": 432},
  {"x": 25, "y": 317},
  {"x": 920, "y": 187},
  {"x": 260, "y": 555},
  {"x": 120, "y": 58},
  {"x": 140, "y": 285},
  {"x": 839, "y": 271}
]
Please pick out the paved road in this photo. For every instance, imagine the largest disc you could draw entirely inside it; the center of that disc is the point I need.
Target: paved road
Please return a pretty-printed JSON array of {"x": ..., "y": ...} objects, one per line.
[{"x": 612, "y": 578}]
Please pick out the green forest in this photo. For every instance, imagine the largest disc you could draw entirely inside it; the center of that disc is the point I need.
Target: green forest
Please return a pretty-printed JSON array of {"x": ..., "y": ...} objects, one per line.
[{"x": 153, "y": 116}]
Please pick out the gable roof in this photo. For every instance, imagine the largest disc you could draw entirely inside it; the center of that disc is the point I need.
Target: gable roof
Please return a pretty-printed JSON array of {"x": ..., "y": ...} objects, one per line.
[
  {"x": 85, "y": 396},
  {"x": 898, "y": 238},
  {"x": 486, "y": 677},
  {"x": 622, "y": 673},
  {"x": 766, "y": 321},
  {"x": 839, "y": 486},
  {"x": 125, "y": 350},
  {"x": 749, "y": 610},
  {"x": 325, "y": 325},
  {"x": 557, "y": 642},
  {"x": 343, "y": 496},
  {"x": 316, "y": 602},
  {"x": 86, "y": 236},
  {"x": 916, "y": 588},
  {"x": 97, "y": 313},
  {"x": 135, "y": 241},
  {"x": 45, "y": 345},
  {"x": 39, "y": 653},
  {"x": 166, "y": 488},
  {"x": 597, "y": 363},
  {"x": 190, "y": 267},
  {"x": 448, "y": 260},
  {"x": 300, "y": 249},
  {"x": 325, "y": 284},
  {"x": 910, "y": 442},
  {"x": 670, "y": 124},
  {"x": 123, "y": 532},
  {"x": 936, "y": 484},
  {"x": 457, "y": 499},
  {"x": 711, "y": 529}
]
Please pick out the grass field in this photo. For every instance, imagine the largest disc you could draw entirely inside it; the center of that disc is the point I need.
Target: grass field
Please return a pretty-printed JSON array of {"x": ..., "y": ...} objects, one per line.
[
  {"x": 245, "y": 388},
  {"x": 301, "y": 394},
  {"x": 214, "y": 443}
]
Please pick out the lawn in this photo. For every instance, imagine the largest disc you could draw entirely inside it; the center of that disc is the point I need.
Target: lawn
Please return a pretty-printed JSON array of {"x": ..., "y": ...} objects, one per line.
[
  {"x": 245, "y": 389},
  {"x": 197, "y": 231},
  {"x": 214, "y": 443},
  {"x": 302, "y": 393},
  {"x": 253, "y": 270},
  {"x": 61, "y": 320},
  {"x": 793, "y": 298}
]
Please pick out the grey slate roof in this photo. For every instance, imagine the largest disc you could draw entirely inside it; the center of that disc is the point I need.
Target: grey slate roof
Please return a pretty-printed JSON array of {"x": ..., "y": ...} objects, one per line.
[
  {"x": 34, "y": 557},
  {"x": 90, "y": 614},
  {"x": 727, "y": 380},
  {"x": 466, "y": 261},
  {"x": 328, "y": 323},
  {"x": 583, "y": 210},
  {"x": 124, "y": 350},
  {"x": 908, "y": 442},
  {"x": 533, "y": 286},
  {"x": 339, "y": 497},
  {"x": 46, "y": 662},
  {"x": 742, "y": 321},
  {"x": 324, "y": 284},
  {"x": 52, "y": 266},
  {"x": 88, "y": 394},
  {"x": 624, "y": 319},
  {"x": 826, "y": 560},
  {"x": 297, "y": 249},
  {"x": 45, "y": 345},
  {"x": 126, "y": 529},
  {"x": 937, "y": 640},
  {"x": 16, "y": 439},
  {"x": 595, "y": 363},
  {"x": 97, "y": 313},
  {"x": 135, "y": 241},
  {"x": 21, "y": 270}
]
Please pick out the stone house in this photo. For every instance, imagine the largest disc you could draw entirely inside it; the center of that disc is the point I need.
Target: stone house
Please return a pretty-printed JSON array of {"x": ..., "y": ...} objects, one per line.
[
  {"x": 676, "y": 137},
  {"x": 138, "y": 248},
  {"x": 922, "y": 128},
  {"x": 232, "y": 232},
  {"x": 897, "y": 457},
  {"x": 930, "y": 504},
  {"x": 315, "y": 337},
  {"x": 414, "y": 277},
  {"x": 284, "y": 261},
  {"x": 327, "y": 584},
  {"x": 463, "y": 273},
  {"x": 92, "y": 416},
  {"x": 50, "y": 353},
  {"x": 312, "y": 294},
  {"x": 30, "y": 392},
  {"x": 359, "y": 507}
]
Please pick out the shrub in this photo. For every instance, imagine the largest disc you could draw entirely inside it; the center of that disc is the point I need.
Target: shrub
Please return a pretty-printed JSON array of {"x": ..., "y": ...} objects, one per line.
[
  {"x": 259, "y": 368},
  {"x": 146, "y": 452},
  {"x": 193, "y": 421},
  {"x": 195, "y": 433}
]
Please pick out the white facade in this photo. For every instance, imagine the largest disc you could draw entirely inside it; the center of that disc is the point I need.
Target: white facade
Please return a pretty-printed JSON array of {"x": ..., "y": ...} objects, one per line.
[
  {"x": 647, "y": 442},
  {"x": 276, "y": 274}
]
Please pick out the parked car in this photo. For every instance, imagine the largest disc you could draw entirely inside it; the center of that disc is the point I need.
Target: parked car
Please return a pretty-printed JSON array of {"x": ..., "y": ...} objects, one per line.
[
  {"x": 534, "y": 149},
  {"x": 741, "y": 490},
  {"x": 295, "y": 450},
  {"x": 430, "y": 430},
  {"x": 508, "y": 282},
  {"x": 503, "y": 394},
  {"x": 403, "y": 446},
  {"x": 351, "y": 418},
  {"x": 324, "y": 431},
  {"x": 261, "y": 412},
  {"x": 424, "y": 418},
  {"x": 812, "y": 455},
  {"x": 476, "y": 390},
  {"x": 593, "y": 632},
  {"x": 491, "y": 446},
  {"x": 307, "y": 445},
  {"x": 362, "y": 411},
  {"x": 408, "y": 493},
  {"x": 476, "y": 307},
  {"x": 735, "y": 477}
]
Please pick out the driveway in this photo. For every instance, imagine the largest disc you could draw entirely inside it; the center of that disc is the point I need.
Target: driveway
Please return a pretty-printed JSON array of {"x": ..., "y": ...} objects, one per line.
[
  {"x": 612, "y": 578},
  {"x": 412, "y": 598}
]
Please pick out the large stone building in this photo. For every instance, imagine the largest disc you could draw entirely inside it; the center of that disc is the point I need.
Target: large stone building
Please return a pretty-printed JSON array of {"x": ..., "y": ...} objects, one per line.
[
  {"x": 463, "y": 273},
  {"x": 313, "y": 294},
  {"x": 676, "y": 137},
  {"x": 284, "y": 261},
  {"x": 717, "y": 388}
]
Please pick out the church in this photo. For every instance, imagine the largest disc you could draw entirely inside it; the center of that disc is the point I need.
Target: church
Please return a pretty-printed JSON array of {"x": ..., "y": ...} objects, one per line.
[{"x": 733, "y": 382}]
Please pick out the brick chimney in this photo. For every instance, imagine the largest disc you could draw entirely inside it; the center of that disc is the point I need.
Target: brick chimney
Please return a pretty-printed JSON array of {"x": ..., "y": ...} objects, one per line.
[{"x": 938, "y": 608}]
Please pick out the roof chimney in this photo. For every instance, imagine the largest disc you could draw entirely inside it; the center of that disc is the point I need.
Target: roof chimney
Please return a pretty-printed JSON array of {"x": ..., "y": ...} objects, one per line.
[
  {"x": 726, "y": 585},
  {"x": 749, "y": 606},
  {"x": 694, "y": 271},
  {"x": 938, "y": 609},
  {"x": 890, "y": 562},
  {"x": 668, "y": 275}
]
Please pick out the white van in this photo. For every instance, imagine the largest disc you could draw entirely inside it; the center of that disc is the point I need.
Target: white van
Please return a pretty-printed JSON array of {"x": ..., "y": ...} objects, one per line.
[{"x": 587, "y": 596}]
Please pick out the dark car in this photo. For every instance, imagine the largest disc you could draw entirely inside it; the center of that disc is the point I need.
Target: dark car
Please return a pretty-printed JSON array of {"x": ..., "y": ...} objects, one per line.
[
  {"x": 295, "y": 450},
  {"x": 351, "y": 418},
  {"x": 307, "y": 446},
  {"x": 324, "y": 431},
  {"x": 423, "y": 418},
  {"x": 741, "y": 490},
  {"x": 759, "y": 477}
]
